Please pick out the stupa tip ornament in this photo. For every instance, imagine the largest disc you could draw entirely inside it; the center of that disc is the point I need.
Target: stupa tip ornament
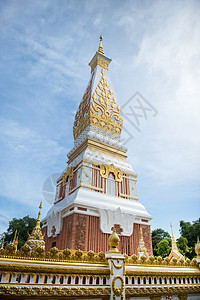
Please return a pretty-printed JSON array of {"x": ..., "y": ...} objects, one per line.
[
  {"x": 113, "y": 241},
  {"x": 100, "y": 50},
  {"x": 197, "y": 248}
]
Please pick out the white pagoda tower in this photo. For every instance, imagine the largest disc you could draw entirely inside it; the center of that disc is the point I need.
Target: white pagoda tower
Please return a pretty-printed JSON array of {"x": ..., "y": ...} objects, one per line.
[{"x": 98, "y": 189}]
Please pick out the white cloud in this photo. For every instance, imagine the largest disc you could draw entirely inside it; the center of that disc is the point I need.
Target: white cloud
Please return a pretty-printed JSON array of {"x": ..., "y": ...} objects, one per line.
[
  {"x": 169, "y": 56},
  {"x": 27, "y": 153},
  {"x": 21, "y": 140}
]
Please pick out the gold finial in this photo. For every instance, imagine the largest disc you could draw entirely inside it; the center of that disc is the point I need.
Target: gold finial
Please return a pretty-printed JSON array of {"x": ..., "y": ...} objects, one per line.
[
  {"x": 40, "y": 207},
  {"x": 3, "y": 242},
  {"x": 113, "y": 241},
  {"x": 197, "y": 248},
  {"x": 100, "y": 50},
  {"x": 38, "y": 220}
]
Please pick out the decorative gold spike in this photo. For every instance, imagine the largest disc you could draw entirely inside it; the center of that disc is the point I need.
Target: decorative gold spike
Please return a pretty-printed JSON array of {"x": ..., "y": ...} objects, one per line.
[{"x": 100, "y": 50}]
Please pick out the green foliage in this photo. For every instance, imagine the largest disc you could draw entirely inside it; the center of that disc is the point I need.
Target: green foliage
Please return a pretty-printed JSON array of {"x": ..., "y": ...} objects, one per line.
[
  {"x": 169, "y": 241},
  {"x": 163, "y": 248},
  {"x": 157, "y": 236},
  {"x": 22, "y": 226},
  {"x": 182, "y": 244},
  {"x": 190, "y": 232}
]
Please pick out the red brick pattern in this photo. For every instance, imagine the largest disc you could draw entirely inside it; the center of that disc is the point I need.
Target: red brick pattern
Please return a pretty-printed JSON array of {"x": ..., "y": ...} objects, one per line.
[{"x": 83, "y": 232}]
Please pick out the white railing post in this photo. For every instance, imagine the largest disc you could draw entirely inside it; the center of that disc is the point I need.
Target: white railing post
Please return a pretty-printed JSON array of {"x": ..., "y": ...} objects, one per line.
[{"x": 117, "y": 275}]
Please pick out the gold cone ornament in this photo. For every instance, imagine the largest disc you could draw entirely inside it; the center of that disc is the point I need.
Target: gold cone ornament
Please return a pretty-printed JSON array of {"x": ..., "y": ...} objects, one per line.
[{"x": 113, "y": 241}]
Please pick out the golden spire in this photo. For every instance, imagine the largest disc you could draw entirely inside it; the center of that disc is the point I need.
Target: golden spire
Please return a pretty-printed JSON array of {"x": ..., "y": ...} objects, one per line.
[
  {"x": 113, "y": 241},
  {"x": 174, "y": 246},
  {"x": 38, "y": 220},
  {"x": 174, "y": 252},
  {"x": 99, "y": 106},
  {"x": 142, "y": 250},
  {"x": 3, "y": 242},
  {"x": 100, "y": 50},
  {"x": 16, "y": 241},
  {"x": 197, "y": 248}
]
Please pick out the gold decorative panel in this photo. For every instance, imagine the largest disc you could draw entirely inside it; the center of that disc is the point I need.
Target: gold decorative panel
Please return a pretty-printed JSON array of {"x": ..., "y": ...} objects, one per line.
[
  {"x": 69, "y": 172},
  {"x": 106, "y": 169},
  {"x": 101, "y": 110}
]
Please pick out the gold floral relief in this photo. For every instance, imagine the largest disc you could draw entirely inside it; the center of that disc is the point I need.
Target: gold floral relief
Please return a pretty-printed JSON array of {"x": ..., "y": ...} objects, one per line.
[
  {"x": 82, "y": 117},
  {"x": 99, "y": 109},
  {"x": 55, "y": 291},
  {"x": 106, "y": 169},
  {"x": 69, "y": 172},
  {"x": 102, "y": 62},
  {"x": 104, "y": 112}
]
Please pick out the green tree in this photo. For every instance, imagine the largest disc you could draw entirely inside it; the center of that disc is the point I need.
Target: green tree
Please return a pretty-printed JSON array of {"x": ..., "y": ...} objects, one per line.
[
  {"x": 163, "y": 248},
  {"x": 23, "y": 227},
  {"x": 157, "y": 236},
  {"x": 190, "y": 232},
  {"x": 182, "y": 244}
]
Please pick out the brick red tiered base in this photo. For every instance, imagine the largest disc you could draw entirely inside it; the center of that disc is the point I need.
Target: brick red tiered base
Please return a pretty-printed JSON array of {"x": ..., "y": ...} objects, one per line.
[{"x": 83, "y": 232}]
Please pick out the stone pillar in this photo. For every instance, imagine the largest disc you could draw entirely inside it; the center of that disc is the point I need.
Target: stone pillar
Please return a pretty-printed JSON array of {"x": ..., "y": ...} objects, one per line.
[
  {"x": 116, "y": 262},
  {"x": 117, "y": 275}
]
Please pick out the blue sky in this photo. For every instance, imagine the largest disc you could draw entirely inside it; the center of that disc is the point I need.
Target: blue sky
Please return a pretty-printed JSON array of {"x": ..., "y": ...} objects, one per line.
[{"x": 45, "y": 48}]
